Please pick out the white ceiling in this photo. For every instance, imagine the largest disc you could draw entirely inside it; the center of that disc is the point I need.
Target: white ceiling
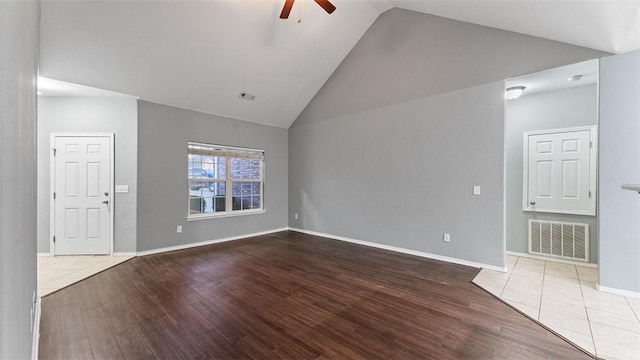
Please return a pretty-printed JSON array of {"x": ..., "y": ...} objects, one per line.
[
  {"x": 201, "y": 55},
  {"x": 556, "y": 79},
  {"x": 51, "y": 87},
  {"x": 606, "y": 25}
]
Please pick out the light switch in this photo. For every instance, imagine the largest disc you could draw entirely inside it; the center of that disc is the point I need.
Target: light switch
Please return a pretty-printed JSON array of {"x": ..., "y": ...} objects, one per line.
[
  {"x": 476, "y": 190},
  {"x": 122, "y": 189}
]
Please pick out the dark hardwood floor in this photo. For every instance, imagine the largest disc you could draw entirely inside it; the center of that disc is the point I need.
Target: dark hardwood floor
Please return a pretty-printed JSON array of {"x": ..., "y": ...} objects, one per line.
[{"x": 288, "y": 295}]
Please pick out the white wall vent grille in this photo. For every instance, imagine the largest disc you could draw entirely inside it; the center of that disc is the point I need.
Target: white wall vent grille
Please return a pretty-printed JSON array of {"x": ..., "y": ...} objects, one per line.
[{"x": 559, "y": 239}]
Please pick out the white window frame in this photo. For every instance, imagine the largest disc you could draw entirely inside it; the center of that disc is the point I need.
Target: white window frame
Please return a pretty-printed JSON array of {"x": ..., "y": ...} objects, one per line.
[{"x": 229, "y": 153}]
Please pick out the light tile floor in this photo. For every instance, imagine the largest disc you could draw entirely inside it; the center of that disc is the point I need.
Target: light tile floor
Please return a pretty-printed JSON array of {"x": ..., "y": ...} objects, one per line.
[
  {"x": 564, "y": 298},
  {"x": 57, "y": 272}
]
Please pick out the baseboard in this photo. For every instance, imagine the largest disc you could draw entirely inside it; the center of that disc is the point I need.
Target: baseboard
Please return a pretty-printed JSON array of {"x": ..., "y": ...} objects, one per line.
[
  {"x": 403, "y": 250},
  {"x": 552, "y": 259},
  {"x": 124, "y": 254},
  {"x": 36, "y": 330},
  {"x": 44, "y": 254},
  {"x": 610, "y": 290},
  {"x": 208, "y": 242}
]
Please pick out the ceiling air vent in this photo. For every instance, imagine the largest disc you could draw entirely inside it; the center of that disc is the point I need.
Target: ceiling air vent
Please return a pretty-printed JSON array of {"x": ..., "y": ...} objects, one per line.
[{"x": 246, "y": 96}]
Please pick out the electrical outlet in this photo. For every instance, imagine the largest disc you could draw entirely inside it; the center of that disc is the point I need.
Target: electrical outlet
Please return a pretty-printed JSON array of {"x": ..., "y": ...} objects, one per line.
[
  {"x": 295, "y": 216},
  {"x": 446, "y": 238},
  {"x": 476, "y": 190},
  {"x": 179, "y": 229}
]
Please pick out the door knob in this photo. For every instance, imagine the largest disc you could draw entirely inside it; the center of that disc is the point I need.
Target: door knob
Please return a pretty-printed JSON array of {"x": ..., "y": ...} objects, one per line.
[
  {"x": 532, "y": 203},
  {"x": 106, "y": 202}
]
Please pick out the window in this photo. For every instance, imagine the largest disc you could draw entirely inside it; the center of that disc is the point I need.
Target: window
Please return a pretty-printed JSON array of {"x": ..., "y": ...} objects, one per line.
[{"x": 224, "y": 180}]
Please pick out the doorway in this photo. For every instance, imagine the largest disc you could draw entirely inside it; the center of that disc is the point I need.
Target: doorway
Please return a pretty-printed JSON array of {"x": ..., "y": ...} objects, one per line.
[
  {"x": 81, "y": 190},
  {"x": 557, "y": 219}
]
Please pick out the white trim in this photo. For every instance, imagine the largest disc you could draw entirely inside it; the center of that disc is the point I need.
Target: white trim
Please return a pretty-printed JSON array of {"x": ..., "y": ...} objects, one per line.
[
  {"x": 224, "y": 214},
  {"x": 403, "y": 250},
  {"x": 132, "y": 253},
  {"x": 112, "y": 197},
  {"x": 552, "y": 259},
  {"x": 52, "y": 187},
  {"x": 52, "y": 178},
  {"x": 504, "y": 179},
  {"x": 208, "y": 242},
  {"x": 36, "y": 330},
  {"x": 628, "y": 293},
  {"x": 44, "y": 254}
]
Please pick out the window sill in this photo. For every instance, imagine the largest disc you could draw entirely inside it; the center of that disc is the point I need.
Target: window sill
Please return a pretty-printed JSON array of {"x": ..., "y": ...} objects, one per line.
[{"x": 224, "y": 215}]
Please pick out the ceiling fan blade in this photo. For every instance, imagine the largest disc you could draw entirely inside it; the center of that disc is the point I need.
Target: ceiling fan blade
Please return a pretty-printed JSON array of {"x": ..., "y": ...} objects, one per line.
[
  {"x": 286, "y": 9},
  {"x": 326, "y": 5}
]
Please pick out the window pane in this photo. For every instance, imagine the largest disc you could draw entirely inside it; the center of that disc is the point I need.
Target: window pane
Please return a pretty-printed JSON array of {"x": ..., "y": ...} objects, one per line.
[
  {"x": 207, "y": 205},
  {"x": 246, "y": 188},
  {"x": 195, "y": 205},
  {"x": 220, "y": 203},
  {"x": 207, "y": 167},
  {"x": 195, "y": 162},
  {"x": 196, "y": 173},
  {"x": 235, "y": 168},
  {"x": 251, "y": 202},
  {"x": 220, "y": 168},
  {"x": 195, "y": 189},
  {"x": 219, "y": 188},
  {"x": 255, "y": 202},
  {"x": 255, "y": 169},
  {"x": 241, "y": 168},
  {"x": 246, "y": 195},
  {"x": 198, "y": 186}
]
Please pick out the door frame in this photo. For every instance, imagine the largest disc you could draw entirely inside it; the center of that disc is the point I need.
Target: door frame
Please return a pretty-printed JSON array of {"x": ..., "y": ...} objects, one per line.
[{"x": 52, "y": 185}]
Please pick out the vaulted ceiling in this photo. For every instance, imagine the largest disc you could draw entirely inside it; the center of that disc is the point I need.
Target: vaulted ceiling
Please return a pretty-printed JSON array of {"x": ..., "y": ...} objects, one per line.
[{"x": 202, "y": 55}]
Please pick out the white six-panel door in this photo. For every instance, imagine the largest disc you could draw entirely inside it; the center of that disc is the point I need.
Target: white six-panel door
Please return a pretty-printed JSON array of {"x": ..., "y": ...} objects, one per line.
[
  {"x": 560, "y": 171},
  {"x": 82, "y": 187}
]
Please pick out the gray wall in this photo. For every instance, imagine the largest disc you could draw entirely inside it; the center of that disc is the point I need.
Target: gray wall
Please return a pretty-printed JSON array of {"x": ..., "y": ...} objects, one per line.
[
  {"x": 163, "y": 133},
  {"x": 91, "y": 115},
  {"x": 19, "y": 38},
  {"x": 566, "y": 108},
  {"x": 407, "y": 55},
  {"x": 369, "y": 163},
  {"x": 619, "y": 219},
  {"x": 385, "y": 175}
]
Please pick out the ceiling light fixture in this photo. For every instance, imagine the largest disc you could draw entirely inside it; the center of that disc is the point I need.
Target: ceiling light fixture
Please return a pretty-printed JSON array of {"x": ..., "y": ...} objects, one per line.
[
  {"x": 514, "y": 92},
  {"x": 39, "y": 93},
  {"x": 575, "y": 78}
]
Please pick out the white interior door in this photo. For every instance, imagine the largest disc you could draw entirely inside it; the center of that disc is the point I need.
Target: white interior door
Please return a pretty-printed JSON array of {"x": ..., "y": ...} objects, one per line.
[
  {"x": 82, "y": 194},
  {"x": 560, "y": 171}
]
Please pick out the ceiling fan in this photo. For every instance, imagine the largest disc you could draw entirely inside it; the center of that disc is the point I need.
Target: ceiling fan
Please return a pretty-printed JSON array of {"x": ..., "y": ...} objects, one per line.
[{"x": 288, "y": 4}]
